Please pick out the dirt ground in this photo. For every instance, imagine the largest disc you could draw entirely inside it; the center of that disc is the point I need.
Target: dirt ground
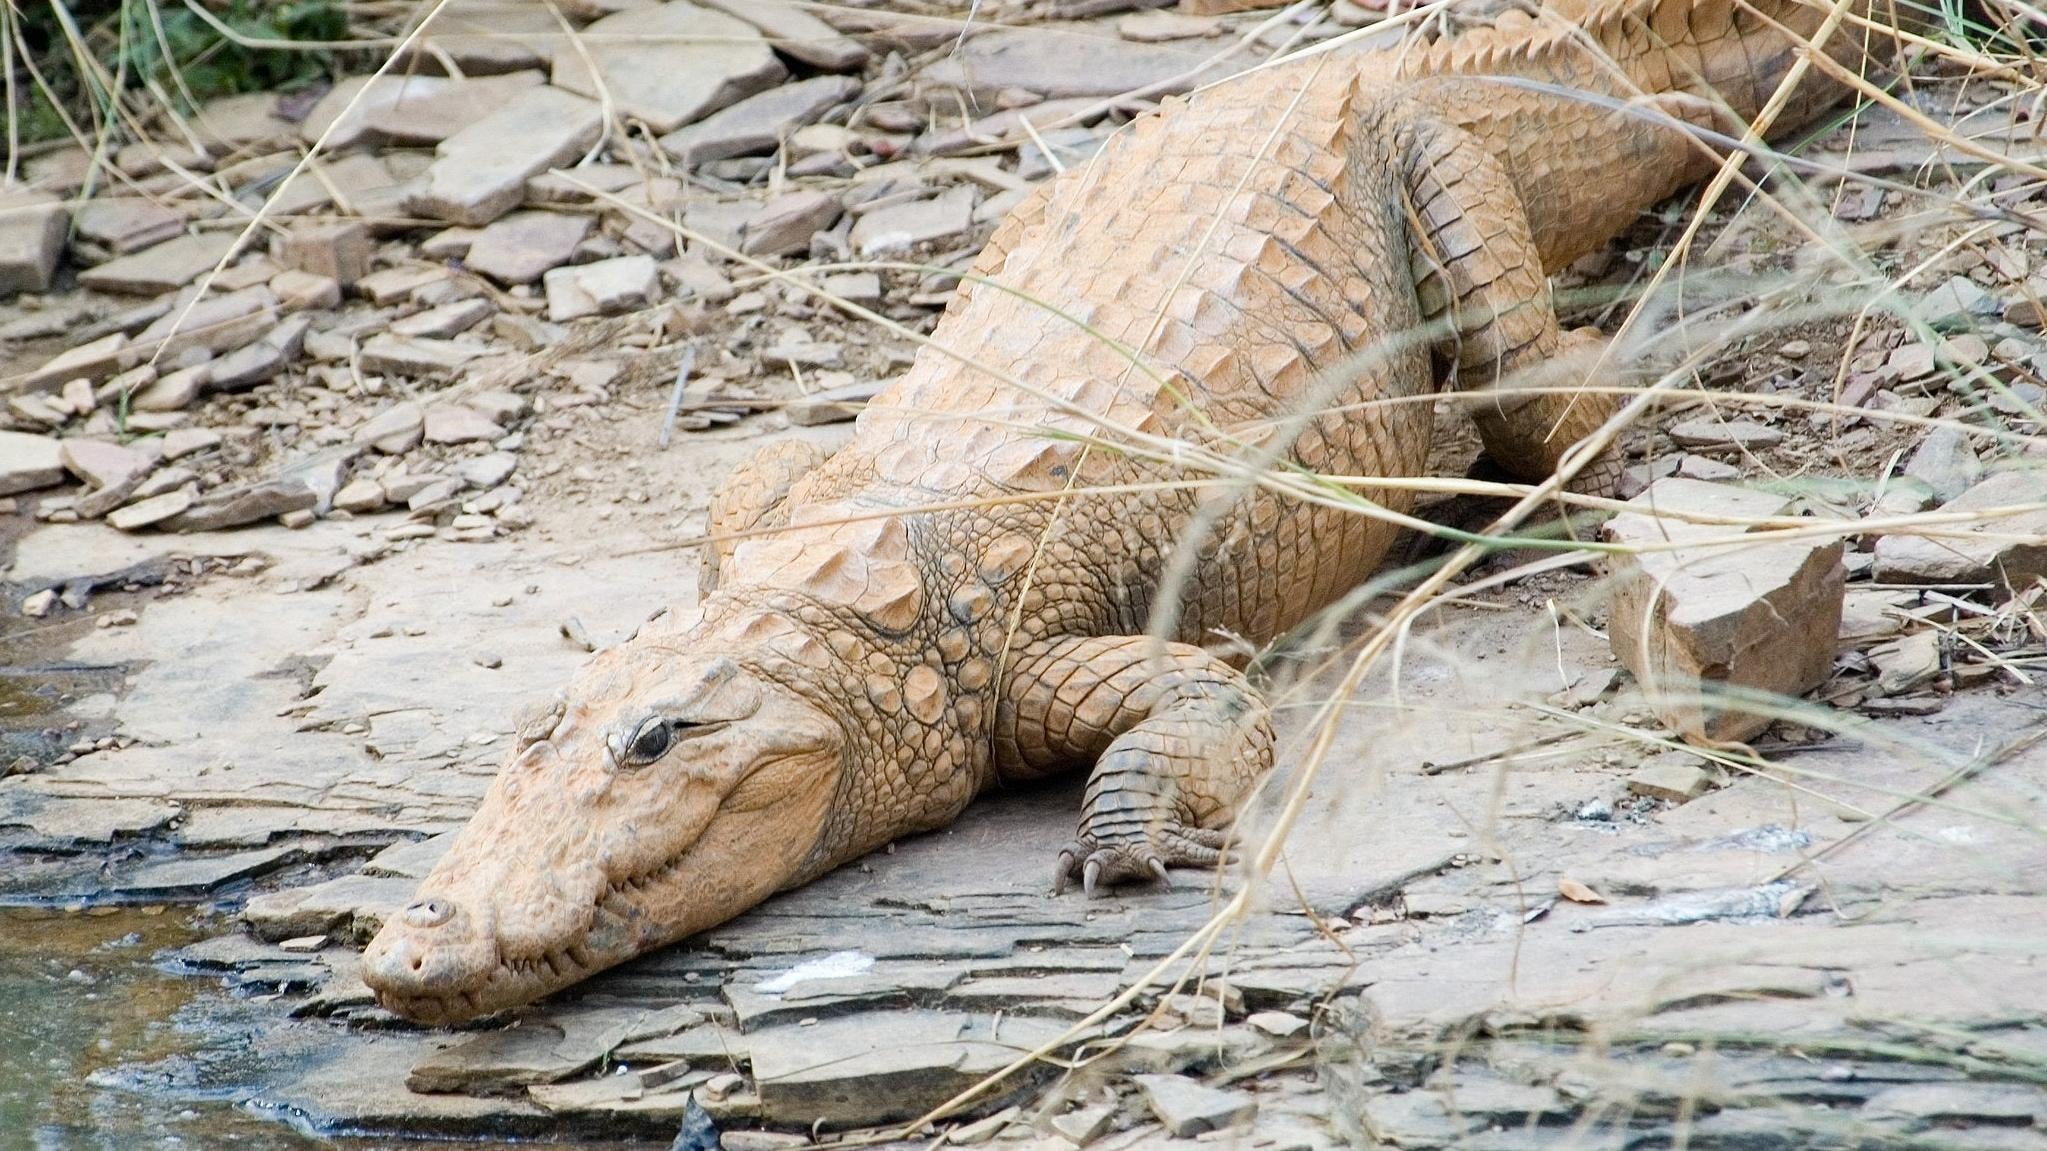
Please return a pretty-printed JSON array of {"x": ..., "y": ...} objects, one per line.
[{"x": 235, "y": 751}]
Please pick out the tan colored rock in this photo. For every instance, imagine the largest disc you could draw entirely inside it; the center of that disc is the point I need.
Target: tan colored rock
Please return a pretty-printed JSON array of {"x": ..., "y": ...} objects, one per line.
[
  {"x": 482, "y": 170},
  {"x": 100, "y": 464},
  {"x": 154, "y": 510},
  {"x": 524, "y": 246},
  {"x": 29, "y": 462},
  {"x": 456, "y": 424},
  {"x": 1698, "y": 619},
  {"x": 785, "y": 225},
  {"x": 758, "y": 123},
  {"x": 903, "y": 226},
  {"x": 123, "y": 224},
  {"x": 487, "y": 38},
  {"x": 604, "y": 288},
  {"x": 393, "y": 355},
  {"x": 172, "y": 391},
  {"x": 395, "y": 430},
  {"x": 31, "y": 239},
  {"x": 671, "y": 64},
  {"x": 2005, "y": 550},
  {"x": 429, "y": 118},
  {"x": 183, "y": 442},
  {"x": 165, "y": 267},
  {"x": 231, "y": 123},
  {"x": 99, "y": 360},
  {"x": 1066, "y": 66},
  {"x": 301, "y": 291},
  {"x": 339, "y": 251},
  {"x": 1676, "y": 776},
  {"x": 797, "y": 34}
]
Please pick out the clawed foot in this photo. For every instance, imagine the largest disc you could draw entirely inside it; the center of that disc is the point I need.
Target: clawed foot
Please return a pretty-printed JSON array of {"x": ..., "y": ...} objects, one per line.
[{"x": 1100, "y": 862}]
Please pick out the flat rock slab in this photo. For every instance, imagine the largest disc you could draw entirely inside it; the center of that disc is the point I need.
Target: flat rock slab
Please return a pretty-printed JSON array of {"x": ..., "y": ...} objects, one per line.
[
  {"x": 1057, "y": 65},
  {"x": 32, "y": 225},
  {"x": 482, "y": 170},
  {"x": 1186, "y": 1107},
  {"x": 1697, "y": 622},
  {"x": 900, "y": 227},
  {"x": 414, "y": 356},
  {"x": 123, "y": 224},
  {"x": 604, "y": 288},
  {"x": 797, "y": 34},
  {"x": 424, "y": 117},
  {"x": 28, "y": 462},
  {"x": 2003, "y": 550},
  {"x": 543, "y": 1050},
  {"x": 759, "y": 123},
  {"x": 247, "y": 504},
  {"x": 881, "y": 1068},
  {"x": 671, "y": 64},
  {"x": 524, "y": 246},
  {"x": 164, "y": 268},
  {"x": 487, "y": 37}
]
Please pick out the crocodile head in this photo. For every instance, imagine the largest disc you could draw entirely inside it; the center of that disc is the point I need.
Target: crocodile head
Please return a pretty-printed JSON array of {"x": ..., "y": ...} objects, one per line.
[{"x": 669, "y": 789}]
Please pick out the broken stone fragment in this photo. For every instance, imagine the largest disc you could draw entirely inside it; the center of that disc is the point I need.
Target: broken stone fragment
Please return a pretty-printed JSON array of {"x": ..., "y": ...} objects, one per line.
[
  {"x": 1693, "y": 621},
  {"x": 833, "y": 405},
  {"x": 1057, "y": 67},
  {"x": 1676, "y": 776},
  {"x": 301, "y": 291},
  {"x": 1187, "y": 1108},
  {"x": 362, "y": 494},
  {"x": 151, "y": 511},
  {"x": 394, "y": 355},
  {"x": 523, "y": 246},
  {"x": 604, "y": 288},
  {"x": 419, "y": 119},
  {"x": 797, "y": 34},
  {"x": 785, "y": 225},
  {"x": 29, "y": 462},
  {"x": 759, "y": 123},
  {"x": 32, "y": 227},
  {"x": 395, "y": 430},
  {"x": 246, "y": 504},
  {"x": 123, "y": 224},
  {"x": 1945, "y": 462},
  {"x": 670, "y": 64},
  {"x": 338, "y": 251},
  {"x": 172, "y": 391},
  {"x": 164, "y": 267},
  {"x": 1724, "y": 435},
  {"x": 99, "y": 464},
  {"x": 482, "y": 170},
  {"x": 456, "y": 424},
  {"x": 2004, "y": 551},
  {"x": 902, "y": 226}
]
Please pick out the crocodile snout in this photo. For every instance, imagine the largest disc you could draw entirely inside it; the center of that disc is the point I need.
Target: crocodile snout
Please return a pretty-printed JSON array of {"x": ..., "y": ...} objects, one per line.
[{"x": 434, "y": 950}]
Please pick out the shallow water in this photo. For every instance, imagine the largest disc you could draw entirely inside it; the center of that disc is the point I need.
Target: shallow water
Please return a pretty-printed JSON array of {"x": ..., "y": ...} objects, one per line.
[
  {"x": 103, "y": 1047},
  {"x": 83, "y": 1005}
]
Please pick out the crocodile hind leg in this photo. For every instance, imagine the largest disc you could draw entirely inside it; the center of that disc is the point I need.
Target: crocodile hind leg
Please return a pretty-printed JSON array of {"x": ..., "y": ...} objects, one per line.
[
  {"x": 1478, "y": 267},
  {"x": 753, "y": 497},
  {"x": 1177, "y": 737}
]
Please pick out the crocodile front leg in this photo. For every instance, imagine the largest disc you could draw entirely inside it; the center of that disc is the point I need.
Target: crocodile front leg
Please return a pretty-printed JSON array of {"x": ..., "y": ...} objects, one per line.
[
  {"x": 753, "y": 497},
  {"x": 1177, "y": 737}
]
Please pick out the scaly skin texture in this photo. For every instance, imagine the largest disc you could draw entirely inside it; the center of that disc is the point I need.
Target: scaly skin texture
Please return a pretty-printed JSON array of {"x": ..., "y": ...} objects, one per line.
[{"x": 1272, "y": 253}]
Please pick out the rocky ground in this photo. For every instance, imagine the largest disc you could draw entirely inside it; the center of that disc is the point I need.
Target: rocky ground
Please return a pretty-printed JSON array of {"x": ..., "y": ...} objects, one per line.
[{"x": 338, "y": 424}]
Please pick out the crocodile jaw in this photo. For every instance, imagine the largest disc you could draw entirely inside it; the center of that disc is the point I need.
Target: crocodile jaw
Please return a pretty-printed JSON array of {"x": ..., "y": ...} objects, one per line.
[{"x": 582, "y": 855}]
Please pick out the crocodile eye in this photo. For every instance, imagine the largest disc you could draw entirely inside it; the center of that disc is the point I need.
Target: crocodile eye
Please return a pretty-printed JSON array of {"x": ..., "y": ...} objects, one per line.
[{"x": 650, "y": 742}]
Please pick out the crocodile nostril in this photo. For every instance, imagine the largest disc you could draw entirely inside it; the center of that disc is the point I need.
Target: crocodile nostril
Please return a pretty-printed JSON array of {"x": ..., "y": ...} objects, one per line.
[{"x": 429, "y": 913}]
